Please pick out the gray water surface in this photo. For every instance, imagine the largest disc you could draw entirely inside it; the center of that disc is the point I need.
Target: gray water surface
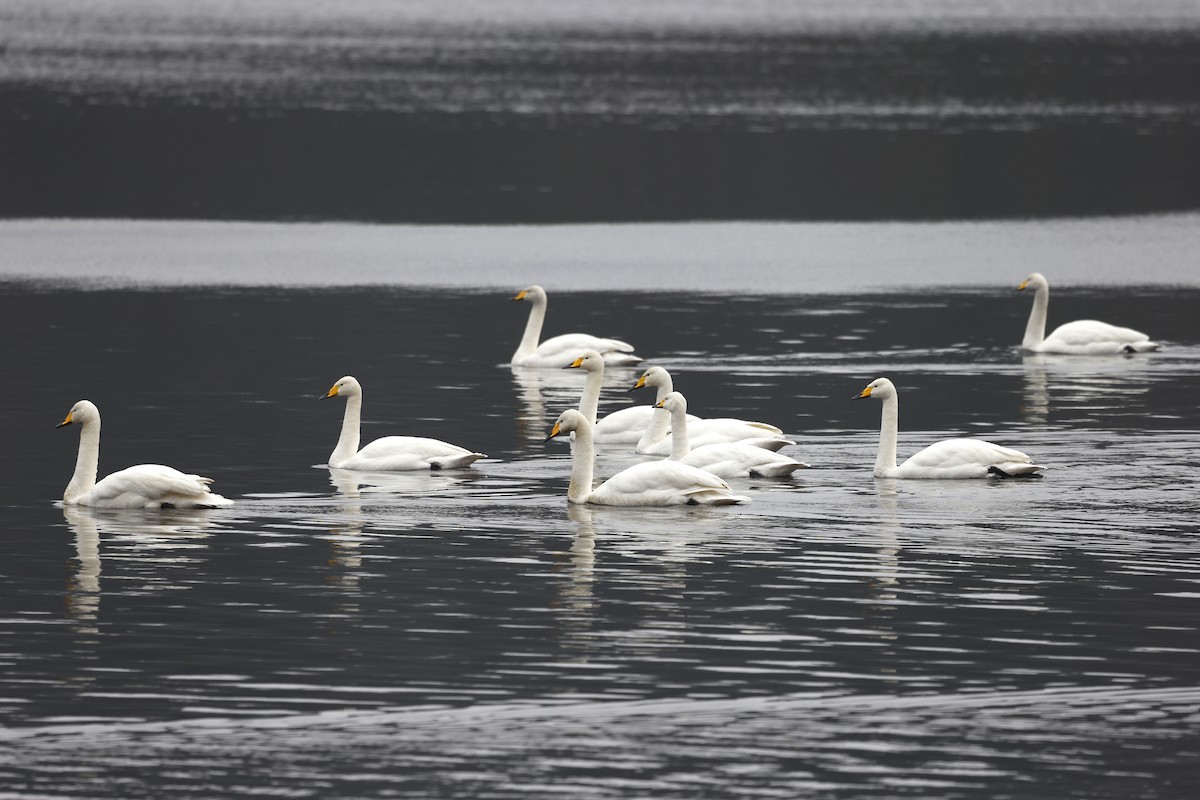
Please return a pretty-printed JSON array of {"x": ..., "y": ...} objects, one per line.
[{"x": 467, "y": 634}]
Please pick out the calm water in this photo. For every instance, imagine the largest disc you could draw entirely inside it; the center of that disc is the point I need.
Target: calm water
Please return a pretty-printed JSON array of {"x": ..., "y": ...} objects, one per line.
[
  {"x": 467, "y": 634},
  {"x": 547, "y": 111}
]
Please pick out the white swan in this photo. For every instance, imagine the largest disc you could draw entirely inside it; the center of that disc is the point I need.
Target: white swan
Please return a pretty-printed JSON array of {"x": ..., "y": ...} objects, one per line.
[
  {"x": 625, "y": 425},
  {"x": 559, "y": 351},
  {"x": 391, "y": 453},
  {"x": 143, "y": 486},
  {"x": 949, "y": 458},
  {"x": 654, "y": 440},
  {"x": 655, "y": 483},
  {"x": 725, "y": 460},
  {"x": 1081, "y": 337}
]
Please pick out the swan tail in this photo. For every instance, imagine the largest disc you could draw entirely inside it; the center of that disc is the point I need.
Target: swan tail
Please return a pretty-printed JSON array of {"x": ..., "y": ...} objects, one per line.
[
  {"x": 718, "y": 498},
  {"x": 455, "y": 461},
  {"x": 615, "y": 358},
  {"x": 774, "y": 443},
  {"x": 208, "y": 500},
  {"x": 780, "y": 470},
  {"x": 715, "y": 497},
  {"x": 1015, "y": 469},
  {"x": 771, "y": 429}
]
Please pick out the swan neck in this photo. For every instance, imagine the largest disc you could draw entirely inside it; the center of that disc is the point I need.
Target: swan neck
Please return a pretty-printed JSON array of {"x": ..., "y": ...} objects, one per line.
[
  {"x": 885, "y": 462},
  {"x": 87, "y": 462},
  {"x": 667, "y": 387},
  {"x": 533, "y": 330},
  {"x": 1035, "y": 329},
  {"x": 589, "y": 401},
  {"x": 680, "y": 446},
  {"x": 347, "y": 444},
  {"x": 656, "y": 431},
  {"x": 583, "y": 456}
]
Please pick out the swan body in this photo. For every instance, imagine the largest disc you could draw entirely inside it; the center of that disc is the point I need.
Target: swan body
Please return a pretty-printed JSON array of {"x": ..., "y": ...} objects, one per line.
[
  {"x": 654, "y": 440},
  {"x": 625, "y": 425},
  {"x": 559, "y": 351},
  {"x": 947, "y": 459},
  {"x": 391, "y": 453},
  {"x": 657, "y": 483},
  {"x": 1081, "y": 337},
  {"x": 725, "y": 459},
  {"x": 142, "y": 486}
]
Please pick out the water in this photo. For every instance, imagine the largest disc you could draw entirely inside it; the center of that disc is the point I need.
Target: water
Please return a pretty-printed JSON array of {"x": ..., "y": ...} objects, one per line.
[
  {"x": 468, "y": 634},
  {"x": 535, "y": 111}
]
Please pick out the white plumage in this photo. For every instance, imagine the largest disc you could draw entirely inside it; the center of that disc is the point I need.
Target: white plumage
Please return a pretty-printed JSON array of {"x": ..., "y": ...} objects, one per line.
[
  {"x": 725, "y": 459},
  {"x": 658, "y": 483},
  {"x": 391, "y": 453},
  {"x": 947, "y": 459},
  {"x": 142, "y": 486},
  {"x": 559, "y": 351},
  {"x": 1081, "y": 337},
  {"x": 654, "y": 440},
  {"x": 625, "y": 425}
]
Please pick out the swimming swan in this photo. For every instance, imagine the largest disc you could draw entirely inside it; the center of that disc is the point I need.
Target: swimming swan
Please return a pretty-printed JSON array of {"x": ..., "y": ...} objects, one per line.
[
  {"x": 143, "y": 486},
  {"x": 1081, "y": 337},
  {"x": 391, "y": 453},
  {"x": 655, "y": 483},
  {"x": 559, "y": 351},
  {"x": 625, "y": 425},
  {"x": 949, "y": 458},
  {"x": 727, "y": 459},
  {"x": 654, "y": 440}
]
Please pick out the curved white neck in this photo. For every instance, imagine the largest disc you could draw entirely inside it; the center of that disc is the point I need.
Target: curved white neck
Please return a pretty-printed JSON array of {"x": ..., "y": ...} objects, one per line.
[
  {"x": 885, "y": 462},
  {"x": 533, "y": 330},
  {"x": 347, "y": 444},
  {"x": 589, "y": 401},
  {"x": 680, "y": 446},
  {"x": 86, "y": 462},
  {"x": 660, "y": 419},
  {"x": 1035, "y": 329},
  {"x": 583, "y": 455}
]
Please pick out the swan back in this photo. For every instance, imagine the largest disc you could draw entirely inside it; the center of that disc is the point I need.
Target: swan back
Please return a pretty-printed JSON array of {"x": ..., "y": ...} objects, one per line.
[{"x": 658, "y": 483}]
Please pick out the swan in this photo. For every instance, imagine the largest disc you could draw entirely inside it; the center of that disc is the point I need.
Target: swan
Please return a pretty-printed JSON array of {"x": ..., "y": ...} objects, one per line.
[
  {"x": 654, "y": 440},
  {"x": 625, "y": 425},
  {"x": 142, "y": 486},
  {"x": 654, "y": 483},
  {"x": 949, "y": 458},
  {"x": 727, "y": 459},
  {"x": 559, "y": 351},
  {"x": 1081, "y": 337},
  {"x": 391, "y": 453}
]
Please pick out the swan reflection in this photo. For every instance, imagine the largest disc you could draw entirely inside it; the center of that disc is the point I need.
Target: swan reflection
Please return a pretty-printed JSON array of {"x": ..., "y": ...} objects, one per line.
[
  {"x": 1089, "y": 384},
  {"x": 353, "y": 483},
  {"x": 152, "y": 540}
]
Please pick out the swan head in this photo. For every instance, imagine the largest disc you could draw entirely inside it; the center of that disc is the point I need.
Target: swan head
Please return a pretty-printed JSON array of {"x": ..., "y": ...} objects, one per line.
[
  {"x": 533, "y": 294},
  {"x": 880, "y": 388},
  {"x": 81, "y": 413},
  {"x": 345, "y": 387},
  {"x": 568, "y": 421},
  {"x": 1035, "y": 281},
  {"x": 589, "y": 360},
  {"x": 673, "y": 402},
  {"x": 655, "y": 376}
]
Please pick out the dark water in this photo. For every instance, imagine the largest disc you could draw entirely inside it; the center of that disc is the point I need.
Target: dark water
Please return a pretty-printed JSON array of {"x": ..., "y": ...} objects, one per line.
[
  {"x": 467, "y": 634},
  {"x": 523, "y": 112}
]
